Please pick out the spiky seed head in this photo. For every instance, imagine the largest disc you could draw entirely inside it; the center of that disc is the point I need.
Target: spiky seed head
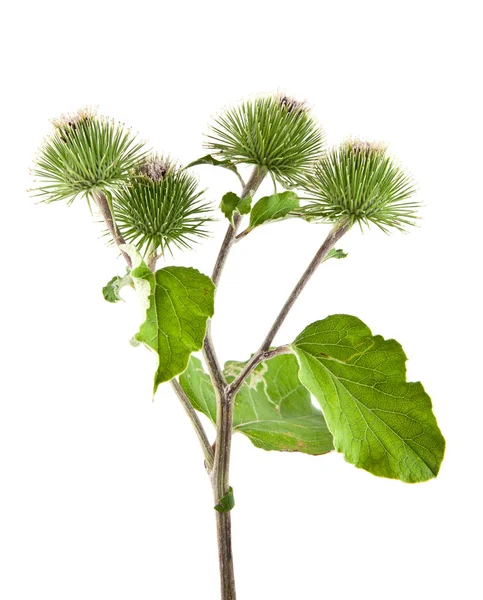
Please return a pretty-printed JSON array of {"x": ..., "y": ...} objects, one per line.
[
  {"x": 85, "y": 154},
  {"x": 274, "y": 132},
  {"x": 359, "y": 180},
  {"x": 160, "y": 207}
]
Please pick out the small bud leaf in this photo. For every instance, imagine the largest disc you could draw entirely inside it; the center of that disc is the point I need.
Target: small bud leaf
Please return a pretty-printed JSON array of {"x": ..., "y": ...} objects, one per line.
[
  {"x": 231, "y": 203},
  {"x": 336, "y": 253},
  {"x": 211, "y": 160},
  {"x": 111, "y": 290},
  {"x": 227, "y": 502}
]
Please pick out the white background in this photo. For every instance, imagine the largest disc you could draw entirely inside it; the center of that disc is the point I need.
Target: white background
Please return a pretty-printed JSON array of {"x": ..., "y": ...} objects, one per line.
[{"x": 103, "y": 493}]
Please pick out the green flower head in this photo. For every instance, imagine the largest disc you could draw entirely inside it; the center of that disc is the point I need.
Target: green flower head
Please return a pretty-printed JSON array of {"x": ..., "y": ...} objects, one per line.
[
  {"x": 274, "y": 132},
  {"x": 360, "y": 181},
  {"x": 85, "y": 154},
  {"x": 160, "y": 207}
]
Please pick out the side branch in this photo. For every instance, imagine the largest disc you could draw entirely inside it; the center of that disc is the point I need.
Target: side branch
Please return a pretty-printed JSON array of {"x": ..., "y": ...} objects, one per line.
[
  {"x": 195, "y": 421},
  {"x": 255, "y": 360},
  {"x": 105, "y": 211},
  {"x": 337, "y": 231},
  {"x": 264, "y": 353}
]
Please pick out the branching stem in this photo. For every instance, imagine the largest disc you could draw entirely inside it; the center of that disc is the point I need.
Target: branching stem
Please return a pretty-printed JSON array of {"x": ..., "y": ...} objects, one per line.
[
  {"x": 195, "y": 421},
  {"x": 224, "y": 419}
]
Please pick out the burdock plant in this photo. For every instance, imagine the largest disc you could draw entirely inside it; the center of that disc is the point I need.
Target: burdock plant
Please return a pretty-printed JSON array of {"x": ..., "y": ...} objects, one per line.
[{"x": 336, "y": 386}]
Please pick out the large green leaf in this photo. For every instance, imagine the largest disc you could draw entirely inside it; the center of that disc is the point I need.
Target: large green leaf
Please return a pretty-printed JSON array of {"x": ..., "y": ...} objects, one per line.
[
  {"x": 274, "y": 207},
  {"x": 272, "y": 408},
  {"x": 379, "y": 421},
  {"x": 178, "y": 303}
]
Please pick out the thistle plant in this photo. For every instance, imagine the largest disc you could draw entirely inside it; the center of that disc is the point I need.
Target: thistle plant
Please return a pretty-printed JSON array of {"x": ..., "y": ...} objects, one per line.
[{"x": 336, "y": 386}]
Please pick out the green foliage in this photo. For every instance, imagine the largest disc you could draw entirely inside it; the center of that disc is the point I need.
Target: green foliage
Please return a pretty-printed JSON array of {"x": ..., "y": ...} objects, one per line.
[
  {"x": 178, "y": 302},
  {"x": 336, "y": 253},
  {"x": 272, "y": 408},
  {"x": 379, "y": 421},
  {"x": 271, "y": 208},
  {"x": 360, "y": 181},
  {"x": 276, "y": 133},
  {"x": 231, "y": 204},
  {"x": 85, "y": 154},
  {"x": 211, "y": 160},
  {"x": 111, "y": 290},
  {"x": 160, "y": 207},
  {"x": 227, "y": 502}
]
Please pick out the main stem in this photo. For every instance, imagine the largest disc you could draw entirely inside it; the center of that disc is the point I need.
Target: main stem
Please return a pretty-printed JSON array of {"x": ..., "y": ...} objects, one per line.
[{"x": 224, "y": 414}]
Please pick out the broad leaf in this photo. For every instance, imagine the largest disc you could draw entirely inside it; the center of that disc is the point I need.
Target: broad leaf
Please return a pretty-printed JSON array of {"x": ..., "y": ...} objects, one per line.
[
  {"x": 271, "y": 208},
  {"x": 231, "y": 203},
  {"x": 178, "y": 303},
  {"x": 379, "y": 421},
  {"x": 272, "y": 408}
]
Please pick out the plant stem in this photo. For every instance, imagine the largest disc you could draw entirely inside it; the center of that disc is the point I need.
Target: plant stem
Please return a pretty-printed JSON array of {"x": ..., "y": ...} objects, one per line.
[
  {"x": 337, "y": 231},
  {"x": 224, "y": 419},
  {"x": 227, "y": 573},
  {"x": 106, "y": 213},
  {"x": 255, "y": 360},
  {"x": 198, "y": 427},
  {"x": 152, "y": 257},
  {"x": 252, "y": 185}
]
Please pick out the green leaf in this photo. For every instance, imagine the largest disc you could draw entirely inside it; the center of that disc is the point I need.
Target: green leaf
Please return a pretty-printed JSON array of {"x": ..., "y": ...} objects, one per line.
[
  {"x": 271, "y": 208},
  {"x": 178, "y": 303},
  {"x": 272, "y": 408},
  {"x": 231, "y": 203},
  {"x": 336, "y": 254},
  {"x": 111, "y": 290},
  {"x": 211, "y": 160},
  {"x": 380, "y": 422},
  {"x": 227, "y": 502}
]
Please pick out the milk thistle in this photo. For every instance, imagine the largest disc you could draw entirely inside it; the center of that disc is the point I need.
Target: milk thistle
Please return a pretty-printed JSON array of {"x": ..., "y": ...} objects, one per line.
[{"x": 364, "y": 407}]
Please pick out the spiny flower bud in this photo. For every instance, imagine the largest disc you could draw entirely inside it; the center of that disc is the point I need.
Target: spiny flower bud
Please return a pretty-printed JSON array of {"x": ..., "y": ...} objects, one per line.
[
  {"x": 360, "y": 181},
  {"x": 275, "y": 132},
  {"x": 292, "y": 105},
  {"x": 85, "y": 154},
  {"x": 160, "y": 206},
  {"x": 154, "y": 168}
]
